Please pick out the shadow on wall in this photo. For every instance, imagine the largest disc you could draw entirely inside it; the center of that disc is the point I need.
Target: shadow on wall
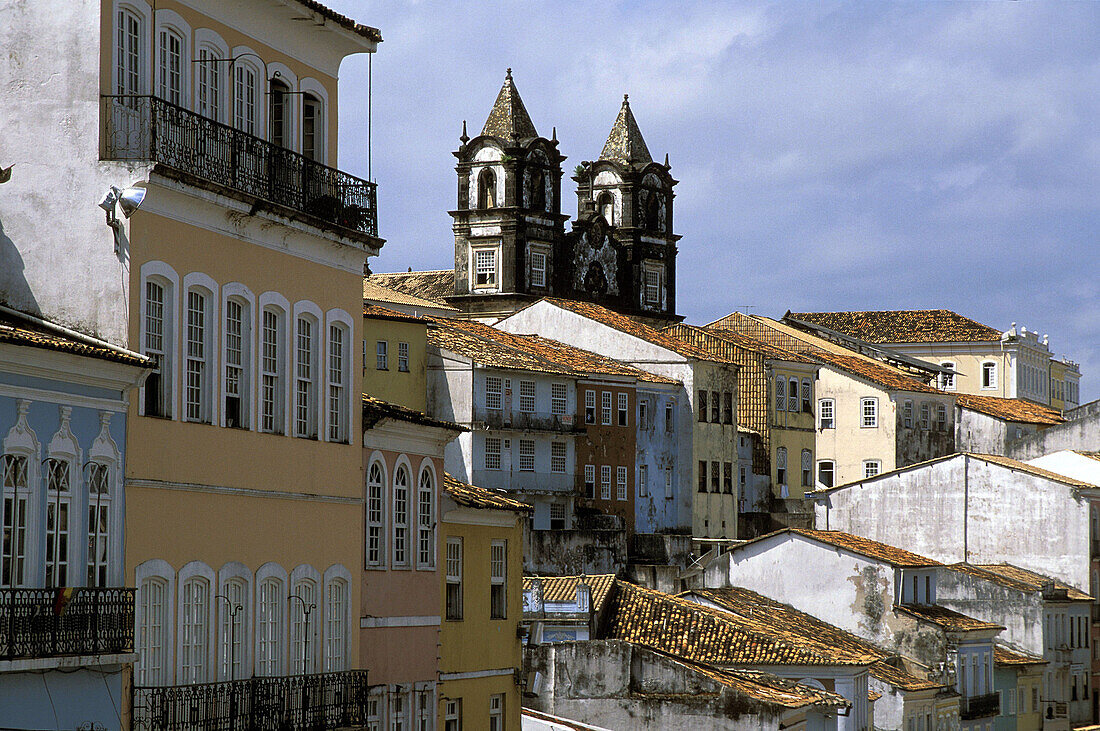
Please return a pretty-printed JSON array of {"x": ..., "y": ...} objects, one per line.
[{"x": 14, "y": 290}]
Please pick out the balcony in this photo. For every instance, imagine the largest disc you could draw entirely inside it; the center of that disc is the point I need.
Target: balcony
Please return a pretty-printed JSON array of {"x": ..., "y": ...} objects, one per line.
[
  {"x": 979, "y": 706},
  {"x": 529, "y": 421},
  {"x": 40, "y": 623},
  {"x": 195, "y": 147},
  {"x": 557, "y": 483},
  {"x": 290, "y": 703}
]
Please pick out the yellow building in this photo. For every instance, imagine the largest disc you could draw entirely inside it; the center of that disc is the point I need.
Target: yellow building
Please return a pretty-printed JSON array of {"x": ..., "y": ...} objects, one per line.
[
  {"x": 1019, "y": 681},
  {"x": 394, "y": 365},
  {"x": 480, "y": 656}
]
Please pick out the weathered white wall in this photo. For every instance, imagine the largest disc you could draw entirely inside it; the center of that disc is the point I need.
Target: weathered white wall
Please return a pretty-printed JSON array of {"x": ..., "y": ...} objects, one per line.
[
  {"x": 981, "y": 433},
  {"x": 1082, "y": 432},
  {"x": 657, "y": 450},
  {"x": 1070, "y": 464},
  {"x": 965, "y": 509}
]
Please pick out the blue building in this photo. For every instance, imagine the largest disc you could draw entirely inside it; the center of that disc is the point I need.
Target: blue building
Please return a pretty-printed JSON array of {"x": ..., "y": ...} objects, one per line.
[{"x": 66, "y": 621}]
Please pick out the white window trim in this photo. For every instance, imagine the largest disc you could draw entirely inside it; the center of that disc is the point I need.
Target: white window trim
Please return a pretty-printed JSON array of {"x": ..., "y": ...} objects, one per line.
[
  {"x": 234, "y": 570},
  {"x": 334, "y": 573},
  {"x": 377, "y": 457},
  {"x": 200, "y": 281},
  {"x": 169, "y": 20},
  {"x": 821, "y": 403},
  {"x": 862, "y": 402},
  {"x": 351, "y": 390},
  {"x": 981, "y": 375},
  {"x": 206, "y": 39},
  {"x": 143, "y": 11},
  {"x": 158, "y": 270},
  {"x": 158, "y": 569},
  {"x": 63, "y": 447},
  {"x": 496, "y": 249},
  {"x": 868, "y": 462},
  {"x": 105, "y": 450},
  {"x": 543, "y": 251},
  {"x": 311, "y": 86},
  {"x": 305, "y": 573},
  {"x": 410, "y": 515},
  {"x": 427, "y": 465},
  {"x": 192, "y": 570},
  {"x": 246, "y": 57},
  {"x": 22, "y": 441},
  {"x": 250, "y": 367},
  {"x": 272, "y": 570},
  {"x": 319, "y": 337}
]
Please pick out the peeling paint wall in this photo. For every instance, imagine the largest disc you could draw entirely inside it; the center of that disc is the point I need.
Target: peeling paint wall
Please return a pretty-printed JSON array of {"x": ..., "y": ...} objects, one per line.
[
  {"x": 1082, "y": 431},
  {"x": 572, "y": 552},
  {"x": 984, "y": 434}
]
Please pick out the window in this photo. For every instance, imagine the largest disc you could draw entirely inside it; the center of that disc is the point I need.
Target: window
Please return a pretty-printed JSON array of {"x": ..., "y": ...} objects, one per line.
[
  {"x": 605, "y": 204},
  {"x": 643, "y": 480},
  {"x": 270, "y": 627},
  {"x": 397, "y": 710},
  {"x": 496, "y": 712},
  {"x": 156, "y": 343},
  {"x": 715, "y": 408},
  {"x": 403, "y": 357},
  {"x": 868, "y": 409},
  {"x": 668, "y": 483},
  {"x": 622, "y": 409},
  {"x": 742, "y": 477},
  {"x": 702, "y": 407},
  {"x": 196, "y": 403},
  {"x": 670, "y": 416},
  {"x": 16, "y": 492},
  {"x": 493, "y": 393},
  {"x": 925, "y": 415},
  {"x": 271, "y": 393},
  {"x": 590, "y": 480},
  {"x": 374, "y": 515},
  {"x": 557, "y": 398},
  {"x": 337, "y": 401},
  {"x": 237, "y": 339},
  {"x": 557, "y": 516},
  {"x": 807, "y": 468},
  {"x": 210, "y": 84},
  {"x": 129, "y": 32},
  {"x": 401, "y": 516},
  {"x": 907, "y": 414},
  {"x": 336, "y": 626},
  {"x": 825, "y": 470},
  {"x": 715, "y": 478},
  {"x": 425, "y": 519},
  {"x": 792, "y": 396},
  {"x": 825, "y": 413},
  {"x": 702, "y": 475},
  {"x": 152, "y": 632},
  {"x": 485, "y": 267},
  {"x": 99, "y": 524},
  {"x": 245, "y": 109},
  {"x": 277, "y": 112},
  {"x": 526, "y": 455},
  {"x": 425, "y": 710},
  {"x": 620, "y": 483},
  {"x": 652, "y": 287},
  {"x": 302, "y": 626},
  {"x": 305, "y": 413},
  {"x": 58, "y": 499},
  {"x": 452, "y": 715},
  {"x": 871, "y": 467},
  {"x": 941, "y": 417},
  {"x": 538, "y": 269},
  {"x": 486, "y": 189},
  {"x": 232, "y": 628},
  {"x": 605, "y": 482},
  {"x": 605, "y": 408},
  {"x": 498, "y": 571},
  {"x": 643, "y": 414},
  {"x": 727, "y": 477},
  {"x": 589, "y": 407},
  {"x": 781, "y": 465},
  {"x": 170, "y": 67},
  {"x": 454, "y": 578},
  {"x": 807, "y": 395},
  {"x": 492, "y": 453},
  {"x": 527, "y": 396},
  {"x": 557, "y": 457},
  {"x": 727, "y": 407},
  {"x": 989, "y": 374},
  {"x": 382, "y": 357},
  {"x": 947, "y": 380},
  {"x": 780, "y": 393},
  {"x": 313, "y": 128}
]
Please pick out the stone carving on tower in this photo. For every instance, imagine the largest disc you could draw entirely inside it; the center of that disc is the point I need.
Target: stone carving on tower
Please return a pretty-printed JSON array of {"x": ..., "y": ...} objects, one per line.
[{"x": 508, "y": 225}]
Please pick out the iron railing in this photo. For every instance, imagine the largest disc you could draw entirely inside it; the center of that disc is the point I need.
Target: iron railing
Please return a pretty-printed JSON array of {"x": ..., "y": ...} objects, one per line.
[
  {"x": 288, "y": 703},
  {"x": 980, "y": 706},
  {"x": 38, "y": 623},
  {"x": 150, "y": 128}
]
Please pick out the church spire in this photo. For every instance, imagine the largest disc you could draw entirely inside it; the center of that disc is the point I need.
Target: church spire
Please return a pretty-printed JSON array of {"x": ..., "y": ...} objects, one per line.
[
  {"x": 625, "y": 143},
  {"x": 509, "y": 118}
]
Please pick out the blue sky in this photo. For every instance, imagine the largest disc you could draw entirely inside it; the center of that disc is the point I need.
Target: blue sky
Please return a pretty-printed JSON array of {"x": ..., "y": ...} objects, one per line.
[{"x": 832, "y": 156}]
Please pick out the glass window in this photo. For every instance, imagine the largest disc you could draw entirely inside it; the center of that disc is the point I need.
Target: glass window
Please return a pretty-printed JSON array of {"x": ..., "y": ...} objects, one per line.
[
  {"x": 727, "y": 477},
  {"x": 382, "y": 355},
  {"x": 99, "y": 524},
  {"x": 941, "y": 417},
  {"x": 303, "y": 630},
  {"x": 780, "y": 393},
  {"x": 526, "y": 455},
  {"x": 233, "y": 609},
  {"x": 925, "y": 415},
  {"x": 701, "y": 406},
  {"x": 715, "y": 408},
  {"x": 605, "y": 482},
  {"x": 270, "y": 627},
  {"x": 485, "y": 268},
  {"x": 825, "y": 473},
  {"x": 825, "y": 411},
  {"x": 807, "y": 468},
  {"x": 907, "y": 414},
  {"x": 16, "y": 494},
  {"x": 781, "y": 465},
  {"x": 170, "y": 67},
  {"x": 375, "y": 524},
  {"x": 538, "y": 269},
  {"x": 868, "y": 408},
  {"x": 807, "y": 395},
  {"x": 305, "y": 413},
  {"x": 643, "y": 480},
  {"x": 871, "y": 467},
  {"x": 236, "y": 364},
  {"x": 210, "y": 84},
  {"x": 492, "y": 453},
  {"x": 493, "y": 393},
  {"x": 989, "y": 374},
  {"x": 557, "y": 398},
  {"x": 336, "y": 626},
  {"x": 702, "y": 475},
  {"x": 130, "y": 44},
  {"x": 621, "y": 400},
  {"x": 653, "y": 287},
  {"x": 620, "y": 483},
  {"x": 401, "y": 516},
  {"x": 313, "y": 128},
  {"x": 337, "y": 400},
  {"x": 498, "y": 571},
  {"x": 196, "y": 391},
  {"x": 245, "y": 109},
  {"x": 425, "y": 519},
  {"x": 589, "y": 407},
  {"x": 496, "y": 712},
  {"x": 454, "y": 578},
  {"x": 403, "y": 357},
  {"x": 153, "y": 614},
  {"x": 590, "y": 480},
  {"x": 271, "y": 388},
  {"x": 792, "y": 395},
  {"x": 557, "y": 516},
  {"x": 947, "y": 380},
  {"x": 527, "y": 396},
  {"x": 557, "y": 457},
  {"x": 156, "y": 343},
  {"x": 58, "y": 501},
  {"x": 452, "y": 715},
  {"x": 605, "y": 407}
]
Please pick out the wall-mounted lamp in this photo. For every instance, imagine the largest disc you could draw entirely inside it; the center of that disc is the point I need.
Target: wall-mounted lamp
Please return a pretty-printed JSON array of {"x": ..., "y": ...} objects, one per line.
[{"x": 126, "y": 199}]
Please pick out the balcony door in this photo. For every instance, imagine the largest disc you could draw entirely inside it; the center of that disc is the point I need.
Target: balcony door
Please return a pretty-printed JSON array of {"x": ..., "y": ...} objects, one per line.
[{"x": 284, "y": 183}]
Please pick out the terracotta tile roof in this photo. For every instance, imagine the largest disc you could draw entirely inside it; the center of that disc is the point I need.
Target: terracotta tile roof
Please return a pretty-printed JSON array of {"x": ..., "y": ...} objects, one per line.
[
  {"x": 18, "y": 330},
  {"x": 763, "y": 686},
  {"x": 1010, "y": 409},
  {"x": 492, "y": 347},
  {"x": 622, "y": 323},
  {"x": 342, "y": 20},
  {"x": 875, "y": 372},
  {"x": 903, "y": 326},
  {"x": 472, "y": 496},
  {"x": 949, "y": 619},
  {"x": 1004, "y": 656},
  {"x": 695, "y": 632},
  {"x": 888, "y": 672},
  {"x": 765, "y": 332},
  {"x": 433, "y": 286},
  {"x": 872, "y": 696},
  {"x": 858, "y": 544},
  {"x": 564, "y": 588},
  {"x": 385, "y": 313},
  {"x": 374, "y": 410},
  {"x": 1018, "y": 578},
  {"x": 784, "y": 622},
  {"x": 373, "y": 291}
]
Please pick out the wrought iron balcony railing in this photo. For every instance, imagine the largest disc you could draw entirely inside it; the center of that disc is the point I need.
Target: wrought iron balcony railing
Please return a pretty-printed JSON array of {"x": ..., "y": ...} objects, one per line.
[
  {"x": 37, "y": 623},
  {"x": 980, "y": 706},
  {"x": 150, "y": 128},
  {"x": 288, "y": 703}
]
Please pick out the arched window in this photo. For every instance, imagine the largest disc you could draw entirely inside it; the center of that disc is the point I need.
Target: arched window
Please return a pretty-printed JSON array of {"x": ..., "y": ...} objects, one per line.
[
  {"x": 538, "y": 189},
  {"x": 14, "y": 475},
  {"x": 989, "y": 374},
  {"x": 195, "y": 630},
  {"x": 337, "y": 379},
  {"x": 401, "y": 516},
  {"x": 99, "y": 523},
  {"x": 244, "y": 110},
  {"x": 336, "y": 625},
  {"x": 170, "y": 66},
  {"x": 196, "y": 389},
  {"x": 781, "y": 467},
  {"x": 153, "y": 623},
  {"x": 313, "y": 128},
  {"x": 129, "y": 53},
  {"x": 653, "y": 212},
  {"x": 305, "y": 388},
  {"x": 58, "y": 503},
  {"x": 234, "y": 610},
  {"x": 238, "y": 358},
  {"x": 605, "y": 204},
  {"x": 486, "y": 188},
  {"x": 426, "y": 521},
  {"x": 302, "y": 606},
  {"x": 158, "y": 326},
  {"x": 375, "y": 549},
  {"x": 277, "y": 103},
  {"x": 270, "y": 626},
  {"x": 210, "y": 83},
  {"x": 272, "y": 370}
]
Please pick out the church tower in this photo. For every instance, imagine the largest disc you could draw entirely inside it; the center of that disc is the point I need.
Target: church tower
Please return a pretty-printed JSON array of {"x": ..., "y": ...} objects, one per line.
[
  {"x": 508, "y": 225},
  {"x": 622, "y": 250}
]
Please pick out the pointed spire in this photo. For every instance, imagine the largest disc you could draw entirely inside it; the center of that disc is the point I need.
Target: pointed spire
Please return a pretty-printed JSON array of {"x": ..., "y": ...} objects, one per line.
[
  {"x": 465, "y": 137},
  {"x": 625, "y": 143},
  {"x": 509, "y": 118}
]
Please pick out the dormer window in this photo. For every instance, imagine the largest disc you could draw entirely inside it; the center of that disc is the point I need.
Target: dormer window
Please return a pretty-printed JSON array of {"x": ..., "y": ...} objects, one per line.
[
  {"x": 486, "y": 189},
  {"x": 605, "y": 204}
]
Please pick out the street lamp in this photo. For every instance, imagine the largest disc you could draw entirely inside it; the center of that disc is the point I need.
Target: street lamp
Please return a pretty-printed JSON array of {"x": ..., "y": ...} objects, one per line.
[
  {"x": 234, "y": 609},
  {"x": 307, "y": 607}
]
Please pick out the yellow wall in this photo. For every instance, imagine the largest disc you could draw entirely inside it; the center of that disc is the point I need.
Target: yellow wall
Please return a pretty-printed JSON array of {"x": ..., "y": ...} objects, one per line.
[
  {"x": 849, "y": 444},
  {"x": 793, "y": 430},
  {"x": 1033, "y": 719},
  {"x": 408, "y": 388},
  {"x": 714, "y": 514},
  {"x": 1057, "y": 374},
  {"x": 477, "y": 642}
]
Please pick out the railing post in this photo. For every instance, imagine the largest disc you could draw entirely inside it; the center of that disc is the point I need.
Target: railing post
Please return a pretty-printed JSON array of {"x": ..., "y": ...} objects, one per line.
[{"x": 95, "y": 620}]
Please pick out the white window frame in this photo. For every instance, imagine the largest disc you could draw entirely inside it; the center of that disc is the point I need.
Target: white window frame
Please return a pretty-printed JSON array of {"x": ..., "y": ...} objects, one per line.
[
  {"x": 907, "y": 413},
  {"x": 558, "y": 398},
  {"x": 527, "y": 397},
  {"x": 160, "y": 345},
  {"x": 526, "y": 455},
  {"x": 826, "y": 413},
  {"x": 453, "y": 569},
  {"x": 621, "y": 492},
  {"x": 492, "y": 453},
  {"x": 832, "y": 471},
  {"x": 988, "y": 375},
  {"x": 868, "y": 412},
  {"x": 643, "y": 480},
  {"x": 622, "y": 408},
  {"x": 304, "y": 646},
  {"x": 539, "y": 259},
  {"x": 374, "y": 555},
  {"x": 307, "y": 378},
  {"x": 336, "y": 619},
  {"x": 653, "y": 278},
  {"x": 248, "y": 93},
  {"x": 234, "y": 625},
  {"x": 131, "y": 48},
  {"x": 872, "y": 468},
  {"x": 381, "y": 355},
  {"x": 605, "y": 482},
  {"x": 154, "y": 638},
  {"x": 15, "y": 482},
  {"x": 947, "y": 380},
  {"x": 498, "y": 578},
  {"x": 197, "y": 651},
  {"x": 237, "y": 295},
  {"x": 558, "y": 456},
  {"x": 62, "y": 521},
  {"x": 272, "y": 582},
  {"x": 589, "y": 406},
  {"x": 425, "y": 517},
  {"x": 485, "y": 260},
  {"x": 173, "y": 73},
  {"x": 400, "y": 504},
  {"x": 402, "y": 357},
  {"x": 494, "y": 393},
  {"x": 211, "y": 73},
  {"x": 605, "y": 408},
  {"x": 339, "y": 335}
]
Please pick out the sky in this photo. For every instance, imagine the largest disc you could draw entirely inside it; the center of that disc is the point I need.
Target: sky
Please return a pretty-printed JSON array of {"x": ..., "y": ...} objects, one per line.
[{"x": 831, "y": 155}]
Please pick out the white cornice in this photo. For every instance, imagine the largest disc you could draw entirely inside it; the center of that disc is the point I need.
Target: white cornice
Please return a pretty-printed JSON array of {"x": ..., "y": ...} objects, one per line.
[{"x": 65, "y": 367}]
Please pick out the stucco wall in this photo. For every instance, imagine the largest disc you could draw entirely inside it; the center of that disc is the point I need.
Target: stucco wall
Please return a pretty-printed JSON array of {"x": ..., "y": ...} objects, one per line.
[
  {"x": 570, "y": 552},
  {"x": 849, "y": 443},
  {"x": 657, "y": 450},
  {"x": 409, "y": 387},
  {"x": 1082, "y": 431}
]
